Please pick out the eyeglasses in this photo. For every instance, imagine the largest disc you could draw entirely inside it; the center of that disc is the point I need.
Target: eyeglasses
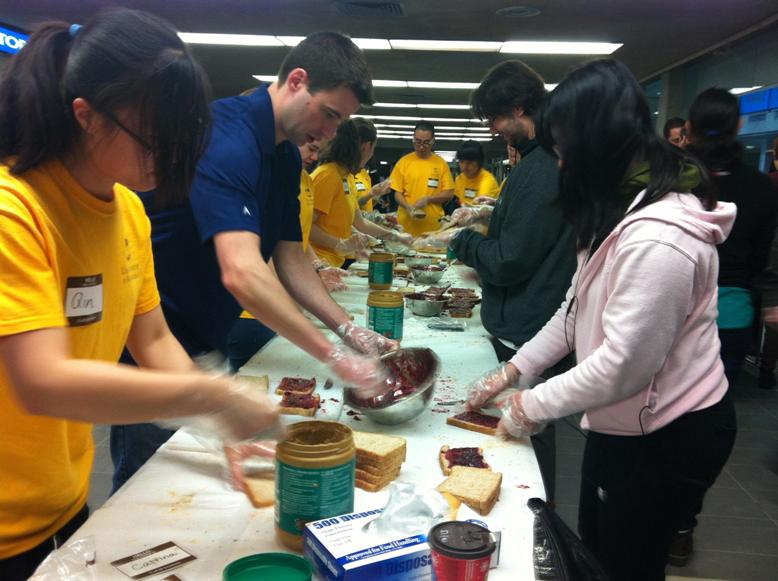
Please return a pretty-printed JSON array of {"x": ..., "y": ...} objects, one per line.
[
  {"x": 140, "y": 140},
  {"x": 425, "y": 142}
]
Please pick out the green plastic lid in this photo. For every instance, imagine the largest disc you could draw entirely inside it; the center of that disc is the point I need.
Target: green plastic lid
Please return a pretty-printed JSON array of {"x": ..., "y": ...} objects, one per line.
[{"x": 265, "y": 566}]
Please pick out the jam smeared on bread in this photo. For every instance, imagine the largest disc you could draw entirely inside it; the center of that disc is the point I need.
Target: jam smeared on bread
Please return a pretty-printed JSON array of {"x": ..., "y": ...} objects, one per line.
[
  {"x": 299, "y": 400},
  {"x": 297, "y": 385},
  {"x": 475, "y": 421},
  {"x": 472, "y": 457}
]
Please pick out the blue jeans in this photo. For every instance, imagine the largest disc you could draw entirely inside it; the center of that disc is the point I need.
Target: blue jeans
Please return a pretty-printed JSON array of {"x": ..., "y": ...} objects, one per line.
[{"x": 131, "y": 446}]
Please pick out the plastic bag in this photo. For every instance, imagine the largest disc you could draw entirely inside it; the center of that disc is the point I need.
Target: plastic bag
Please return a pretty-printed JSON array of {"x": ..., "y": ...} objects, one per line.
[
  {"x": 73, "y": 562},
  {"x": 409, "y": 512}
]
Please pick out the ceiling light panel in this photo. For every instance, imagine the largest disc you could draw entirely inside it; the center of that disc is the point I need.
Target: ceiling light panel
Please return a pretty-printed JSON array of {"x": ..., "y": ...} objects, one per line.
[
  {"x": 531, "y": 47},
  {"x": 447, "y": 45},
  {"x": 412, "y": 118},
  {"x": 441, "y": 85},
  {"x": 230, "y": 39},
  {"x": 741, "y": 90}
]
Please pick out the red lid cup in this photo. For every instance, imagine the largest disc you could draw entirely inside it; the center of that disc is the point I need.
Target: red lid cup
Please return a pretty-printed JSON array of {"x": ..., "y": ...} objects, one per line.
[{"x": 461, "y": 551}]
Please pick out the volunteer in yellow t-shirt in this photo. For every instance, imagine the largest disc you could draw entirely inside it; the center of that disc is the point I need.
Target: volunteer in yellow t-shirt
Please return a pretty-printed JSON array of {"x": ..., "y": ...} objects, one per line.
[
  {"x": 77, "y": 280},
  {"x": 473, "y": 181},
  {"x": 338, "y": 227},
  {"x": 367, "y": 192},
  {"x": 422, "y": 183}
]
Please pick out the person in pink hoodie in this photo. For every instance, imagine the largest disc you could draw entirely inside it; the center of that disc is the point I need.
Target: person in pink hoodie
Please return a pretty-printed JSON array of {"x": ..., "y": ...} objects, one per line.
[{"x": 640, "y": 315}]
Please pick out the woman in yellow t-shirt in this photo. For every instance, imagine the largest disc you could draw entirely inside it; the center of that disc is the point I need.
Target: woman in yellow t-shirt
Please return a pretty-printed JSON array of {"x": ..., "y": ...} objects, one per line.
[
  {"x": 77, "y": 279},
  {"x": 367, "y": 192},
  {"x": 473, "y": 181},
  {"x": 338, "y": 227}
]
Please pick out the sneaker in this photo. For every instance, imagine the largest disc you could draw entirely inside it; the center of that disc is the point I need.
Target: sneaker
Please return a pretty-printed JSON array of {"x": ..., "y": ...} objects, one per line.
[
  {"x": 767, "y": 379},
  {"x": 681, "y": 548}
]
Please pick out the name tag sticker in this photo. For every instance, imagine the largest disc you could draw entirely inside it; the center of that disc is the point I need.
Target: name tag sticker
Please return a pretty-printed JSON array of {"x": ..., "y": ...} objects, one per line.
[
  {"x": 361, "y": 187},
  {"x": 153, "y": 561},
  {"x": 433, "y": 182},
  {"x": 345, "y": 186},
  {"x": 470, "y": 193},
  {"x": 84, "y": 300}
]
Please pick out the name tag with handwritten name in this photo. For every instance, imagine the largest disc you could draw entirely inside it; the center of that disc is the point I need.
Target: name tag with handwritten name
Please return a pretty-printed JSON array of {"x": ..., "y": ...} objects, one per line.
[
  {"x": 84, "y": 299},
  {"x": 153, "y": 561}
]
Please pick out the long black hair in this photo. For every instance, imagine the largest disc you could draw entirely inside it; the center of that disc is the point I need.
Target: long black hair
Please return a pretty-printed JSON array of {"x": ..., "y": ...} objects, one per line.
[
  {"x": 120, "y": 59},
  {"x": 599, "y": 121},
  {"x": 345, "y": 147},
  {"x": 714, "y": 120}
]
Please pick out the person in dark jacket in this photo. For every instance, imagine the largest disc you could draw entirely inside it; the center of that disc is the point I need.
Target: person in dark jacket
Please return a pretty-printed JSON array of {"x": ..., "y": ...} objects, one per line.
[
  {"x": 528, "y": 257},
  {"x": 714, "y": 120}
]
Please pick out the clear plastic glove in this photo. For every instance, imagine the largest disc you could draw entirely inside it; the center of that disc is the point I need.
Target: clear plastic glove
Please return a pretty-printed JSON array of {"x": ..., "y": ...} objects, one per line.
[
  {"x": 421, "y": 203},
  {"x": 470, "y": 214},
  {"x": 333, "y": 278},
  {"x": 380, "y": 189},
  {"x": 366, "y": 341},
  {"x": 515, "y": 422},
  {"x": 485, "y": 200},
  {"x": 239, "y": 413},
  {"x": 357, "y": 371},
  {"x": 491, "y": 385},
  {"x": 357, "y": 242},
  {"x": 237, "y": 455},
  {"x": 437, "y": 239},
  {"x": 401, "y": 237}
]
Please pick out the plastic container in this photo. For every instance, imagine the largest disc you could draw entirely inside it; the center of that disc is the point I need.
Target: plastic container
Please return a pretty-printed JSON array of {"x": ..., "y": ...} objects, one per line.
[
  {"x": 461, "y": 551},
  {"x": 385, "y": 311},
  {"x": 380, "y": 270},
  {"x": 315, "y": 477},
  {"x": 265, "y": 566}
]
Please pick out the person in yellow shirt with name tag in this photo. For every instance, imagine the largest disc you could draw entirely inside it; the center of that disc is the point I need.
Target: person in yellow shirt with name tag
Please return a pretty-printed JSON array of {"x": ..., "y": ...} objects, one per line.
[
  {"x": 367, "y": 192},
  {"x": 338, "y": 229},
  {"x": 422, "y": 183},
  {"x": 474, "y": 181}
]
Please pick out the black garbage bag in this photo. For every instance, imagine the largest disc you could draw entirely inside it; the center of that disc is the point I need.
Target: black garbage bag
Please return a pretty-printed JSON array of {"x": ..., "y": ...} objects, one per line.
[{"x": 559, "y": 555}]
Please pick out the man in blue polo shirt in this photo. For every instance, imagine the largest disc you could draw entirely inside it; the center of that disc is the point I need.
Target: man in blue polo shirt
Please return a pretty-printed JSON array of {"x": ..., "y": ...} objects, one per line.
[{"x": 211, "y": 253}]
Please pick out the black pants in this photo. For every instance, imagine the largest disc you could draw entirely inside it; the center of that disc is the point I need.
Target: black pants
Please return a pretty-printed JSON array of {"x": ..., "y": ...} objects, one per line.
[
  {"x": 21, "y": 567},
  {"x": 544, "y": 443},
  {"x": 735, "y": 344},
  {"x": 634, "y": 487}
]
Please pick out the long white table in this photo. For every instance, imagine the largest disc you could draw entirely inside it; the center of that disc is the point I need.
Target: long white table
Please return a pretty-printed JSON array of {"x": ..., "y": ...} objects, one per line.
[{"x": 180, "y": 495}]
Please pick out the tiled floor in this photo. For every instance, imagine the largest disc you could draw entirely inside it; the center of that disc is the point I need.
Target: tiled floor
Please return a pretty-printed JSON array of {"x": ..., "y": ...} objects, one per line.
[{"x": 737, "y": 538}]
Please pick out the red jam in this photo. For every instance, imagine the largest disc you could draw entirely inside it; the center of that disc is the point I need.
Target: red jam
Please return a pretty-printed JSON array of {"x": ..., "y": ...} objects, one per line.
[
  {"x": 465, "y": 457},
  {"x": 299, "y": 400},
  {"x": 478, "y": 419},
  {"x": 297, "y": 384}
]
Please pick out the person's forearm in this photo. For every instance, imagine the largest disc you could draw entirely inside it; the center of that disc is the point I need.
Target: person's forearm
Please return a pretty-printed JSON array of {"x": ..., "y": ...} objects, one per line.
[
  {"x": 320, "y": 238},
  {"x": 301, "y": 281},
  {"x": 367, "y": 227},
  {"x": 399, "y": 197},
  {"x": 365, "y": 199},
  {"x": 152, "y": 345},
  {"x": 441, "y": 198}
]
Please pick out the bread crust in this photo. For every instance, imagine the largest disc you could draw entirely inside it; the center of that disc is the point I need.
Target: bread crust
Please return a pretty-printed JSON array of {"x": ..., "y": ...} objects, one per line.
[{"x": 472, "y": 427}]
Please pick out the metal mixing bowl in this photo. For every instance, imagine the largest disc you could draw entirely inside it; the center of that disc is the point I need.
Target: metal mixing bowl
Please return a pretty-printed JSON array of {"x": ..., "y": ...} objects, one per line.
[
  {"x": 427, "y": 276},
  {"x": 423, "y": 306},
  {"x": 392, "y": 406},
  {"x": 415, "y": 261}
]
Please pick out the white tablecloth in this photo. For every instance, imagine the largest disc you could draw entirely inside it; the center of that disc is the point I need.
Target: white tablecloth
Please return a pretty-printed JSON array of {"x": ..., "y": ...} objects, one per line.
[{"x": 180, "y": 495}]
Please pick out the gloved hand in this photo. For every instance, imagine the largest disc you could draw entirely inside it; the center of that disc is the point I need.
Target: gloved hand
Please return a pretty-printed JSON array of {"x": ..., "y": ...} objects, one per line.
[
  {"x": 401, "y": 237},
  {"x": 360, "y": 372},
  {"x": 237, "y": 455},
  {"x": 366, "y": 341},
  {"x": 333, "y": 278},
  {"x": 515, "y": 422},
  {"x": 238, "y": 412},
  {"x": 469, "y": 214},
  {"x": 357, "y": 242},
  {"x": 421, "y": 203},
  {"x": 485, "y": 200},
  {"x": 491, "y": 385},
  {"x": 440, "y": 239},
  {"x": 380, "y": 189}
]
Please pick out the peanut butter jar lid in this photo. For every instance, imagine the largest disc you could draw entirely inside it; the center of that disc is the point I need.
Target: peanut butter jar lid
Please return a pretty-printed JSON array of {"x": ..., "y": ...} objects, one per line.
[{"x": 266, "y": 566}]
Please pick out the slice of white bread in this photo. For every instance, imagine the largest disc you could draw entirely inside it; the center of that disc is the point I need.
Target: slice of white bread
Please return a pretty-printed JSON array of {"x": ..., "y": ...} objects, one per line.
[
  {"x": 379, "y": 450},
  {"x": 372, "y": 478},
  {"x": 260, "y": 383},
  {"x": 372, "y": 486},
  {"x": 456, "y": 422},
  {"x": 379, "y": 471},
  {"x": 477, "y": 488},
  {"x": 444, "y": 464},
  {"x": 261, "y": 489}
]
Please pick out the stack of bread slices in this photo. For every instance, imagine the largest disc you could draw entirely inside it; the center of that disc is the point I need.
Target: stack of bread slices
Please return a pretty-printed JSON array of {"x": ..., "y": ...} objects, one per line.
[{"x": 379, "y": 459}]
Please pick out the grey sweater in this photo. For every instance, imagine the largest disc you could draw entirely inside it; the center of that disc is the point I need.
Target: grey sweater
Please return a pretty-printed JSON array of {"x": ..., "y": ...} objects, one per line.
[{"x": 527, "y": 259}]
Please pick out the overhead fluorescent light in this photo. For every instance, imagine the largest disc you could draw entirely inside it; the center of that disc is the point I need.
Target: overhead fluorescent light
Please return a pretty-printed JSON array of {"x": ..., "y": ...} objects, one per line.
[
  {"x": 382, "y": 83},
  {"x": 230, "y": 39},
  {"x": 266, "y": 78},
  {"x": 291, "y": 40},
  {"x": 550, "y": 86},
  {"x": 420, "y": 106},
  {"x": 412, "y": 118},
  {"x": 372, "y": 43},
  {"x": 454, "y": 128},
  {"x": 740, "y": 90},
  {"x": 533, "y": 47},
  {"x": 396, "y": 105},
  {"x": 441, "y": 106},
  {"x": 391, "y": 125},
  {"x": 441, "y": 85},
  {"x": 448, "y": 45}
]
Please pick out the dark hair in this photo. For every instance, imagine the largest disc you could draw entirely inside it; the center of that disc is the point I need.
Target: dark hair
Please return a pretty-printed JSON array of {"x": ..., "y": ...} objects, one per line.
[
  {"x": 507, "y": 86},
  {"x": 713, "y": 123},
  {"x": 674, "y": 123},
  {"x": 599, "y": 119},
  {"x": 119, "y": 59},
  {"x": 331, "y": 60},
  {"x": 425, "y": 126},
  {"x": 345, "y": 147},
  {"x": 471, "y": 150}
]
